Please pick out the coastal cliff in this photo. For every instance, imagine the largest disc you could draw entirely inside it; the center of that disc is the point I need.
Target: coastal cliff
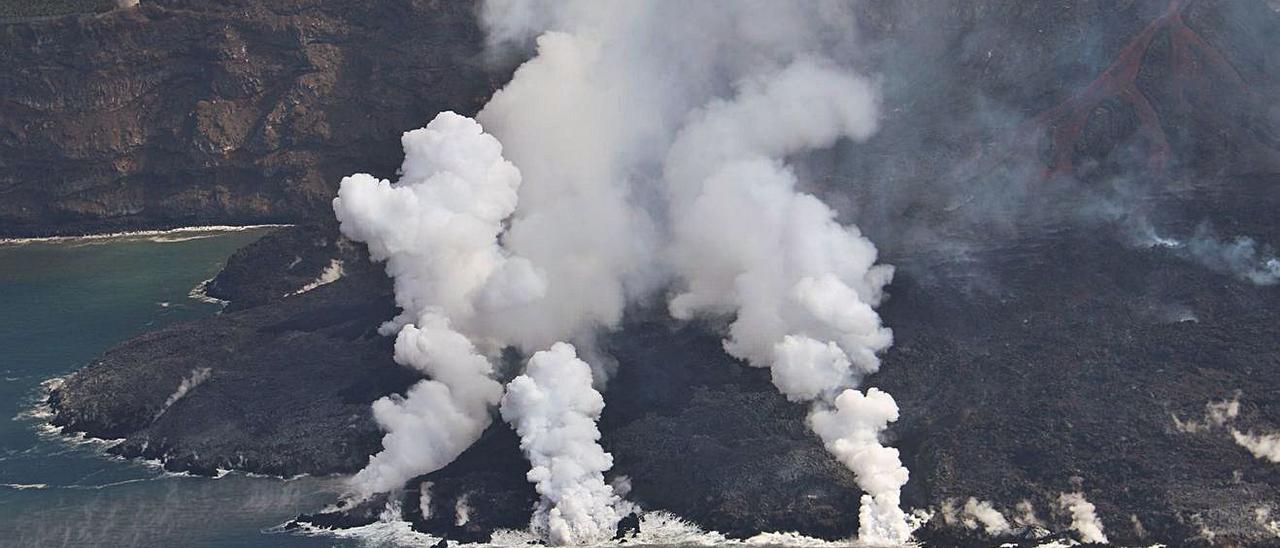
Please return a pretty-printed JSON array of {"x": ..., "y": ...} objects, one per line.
[
  {"x": 1039, "y": 350},
  {"x": 177, "y": 112}
]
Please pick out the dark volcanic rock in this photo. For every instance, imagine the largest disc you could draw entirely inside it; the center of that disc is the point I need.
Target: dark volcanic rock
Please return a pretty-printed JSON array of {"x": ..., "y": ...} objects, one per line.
[
  {"x": 285, "y": 390},
  {"x": 711, "y": 440},
  {"x": 182, "y": 112},
  {"x": 484, "y": 490},
  {"x": 286, "y": 261},
  {"x": 1069, "y": 374},
  {"x": 345, "y": 514}
]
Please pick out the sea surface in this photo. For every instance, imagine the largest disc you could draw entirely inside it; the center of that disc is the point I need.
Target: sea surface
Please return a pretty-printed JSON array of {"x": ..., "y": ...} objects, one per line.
[{"x": 62, "y": 303}]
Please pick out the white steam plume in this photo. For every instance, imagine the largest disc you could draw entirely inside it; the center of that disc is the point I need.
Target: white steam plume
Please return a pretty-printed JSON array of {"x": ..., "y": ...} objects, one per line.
[
  {"x": 980, "y": 513},
  {"x": 437, "y": 229},
  {"x": 802, "y": 288},
  {"x": 1027, "y": 514},
  {"x": 554, "y": 409},
  {"x": 1084, "y": 518},
  {"x": 198, "y": 376},
  {"x": 709, "y": 105},
  {"x": 851, "y": 432},
  {"x": 1263, "y": 446},
  {"x": 651, "y": 148}
]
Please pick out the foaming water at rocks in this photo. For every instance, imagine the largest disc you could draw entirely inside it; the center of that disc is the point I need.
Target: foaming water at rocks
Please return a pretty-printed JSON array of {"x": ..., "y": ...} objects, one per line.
[
  {"x": 171, "y": 235},
  {"x": 58, "y": 488},
  {"x": 657, "y": 529}
]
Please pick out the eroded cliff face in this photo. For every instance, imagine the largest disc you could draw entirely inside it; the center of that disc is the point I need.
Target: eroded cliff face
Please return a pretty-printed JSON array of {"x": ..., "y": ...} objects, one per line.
[{"x": 179, "y": 112}]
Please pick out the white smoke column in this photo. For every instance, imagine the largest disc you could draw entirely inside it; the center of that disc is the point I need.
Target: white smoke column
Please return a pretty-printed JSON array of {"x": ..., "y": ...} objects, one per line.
[
  {"x": 593, "y": 121},
  {"x": 802, "y": 288},
  {"x": 980, "y": 512},
  {"x": 1216, "y": 415},
  {"x": 623, "y": 95},
  {"x": 591, "y": 118},
  {"x": 1084, "y": 518},
  {"x": 554, "y": 409},
  {"x": 424, "y": 499},
  {"x": 851, "y": 433},
  {"x": 198, "y": 376},
  {"x": 437, "y": 230},
  {"x": 462, "y": 510},
  {"x": 1027, "y": 514},
  {"x": 1263, "y": 446}
]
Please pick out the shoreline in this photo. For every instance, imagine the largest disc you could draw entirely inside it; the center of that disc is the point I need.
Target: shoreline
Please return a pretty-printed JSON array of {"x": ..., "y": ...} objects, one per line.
[
  {"x": 41, "y": 413},
  {"x": 201, "y": 229}
]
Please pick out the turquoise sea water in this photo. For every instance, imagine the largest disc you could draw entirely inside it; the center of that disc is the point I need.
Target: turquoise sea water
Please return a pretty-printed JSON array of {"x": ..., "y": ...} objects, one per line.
[{"x": 63, "y": 303}]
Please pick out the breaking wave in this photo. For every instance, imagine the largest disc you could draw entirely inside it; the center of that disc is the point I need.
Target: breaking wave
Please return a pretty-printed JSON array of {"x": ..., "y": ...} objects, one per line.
[{"x": 657, "y": 528}]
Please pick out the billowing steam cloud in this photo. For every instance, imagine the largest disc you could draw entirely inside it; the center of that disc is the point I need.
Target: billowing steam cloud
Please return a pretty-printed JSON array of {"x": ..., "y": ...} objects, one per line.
[
  {"x": 1084, "y": 517},
  {"x": 554, "y": 409},
  {"x": 801, "y": 287},
  {"x": 437, "y": 229},
  {"x": 982, "y": 513},
  {"x": 1263, "y": 446},
  {"x": 975, "y": 514},
  {"x": 653, "y": 152}
]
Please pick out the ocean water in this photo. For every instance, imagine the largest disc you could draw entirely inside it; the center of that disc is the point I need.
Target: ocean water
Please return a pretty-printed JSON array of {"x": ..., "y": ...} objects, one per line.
[{"x": 64, "y": 302}]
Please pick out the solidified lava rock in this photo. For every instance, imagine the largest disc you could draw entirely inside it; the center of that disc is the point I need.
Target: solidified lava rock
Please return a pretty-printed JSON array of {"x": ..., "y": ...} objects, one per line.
[
  {"x": 485, "y": 490},
  {"x": 287, "y": 391},
  {"x": 283, "y": 262},
  {"x": 345, "y": 515}
]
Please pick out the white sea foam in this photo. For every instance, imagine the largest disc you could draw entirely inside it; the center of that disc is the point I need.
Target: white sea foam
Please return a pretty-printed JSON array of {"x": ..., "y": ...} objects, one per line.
[
  {"x": 330, "y": 274},
  {"x": 199, "y": 293},
  {"x": 107, "y": 485},
  {"x": 381, "y": 533},
  {"x": 171, "y": 235},
  {"x": 42, "y": 414},
  {"x": 657, "y": 528},
  {"x": 24, "y": 486}
]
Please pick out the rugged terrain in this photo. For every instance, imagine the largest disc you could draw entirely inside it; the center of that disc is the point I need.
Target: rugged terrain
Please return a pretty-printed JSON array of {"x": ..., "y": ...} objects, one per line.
[
  {"x": 1043, "y": 346},
  {"x": 180, "y": 112}
]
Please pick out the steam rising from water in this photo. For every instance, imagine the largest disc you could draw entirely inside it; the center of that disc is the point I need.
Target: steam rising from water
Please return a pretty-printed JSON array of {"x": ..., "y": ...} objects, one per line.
[
  {"x": 554, "y": 409},
  {"x": 1084, "y": 517},
  {"x": 437, "y": 231},
  {"x": 652, "y": 153}
]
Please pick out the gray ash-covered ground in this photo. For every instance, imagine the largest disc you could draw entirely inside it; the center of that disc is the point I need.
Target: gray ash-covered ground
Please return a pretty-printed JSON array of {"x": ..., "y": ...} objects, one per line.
[{"x": 1042, "y": 345}]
